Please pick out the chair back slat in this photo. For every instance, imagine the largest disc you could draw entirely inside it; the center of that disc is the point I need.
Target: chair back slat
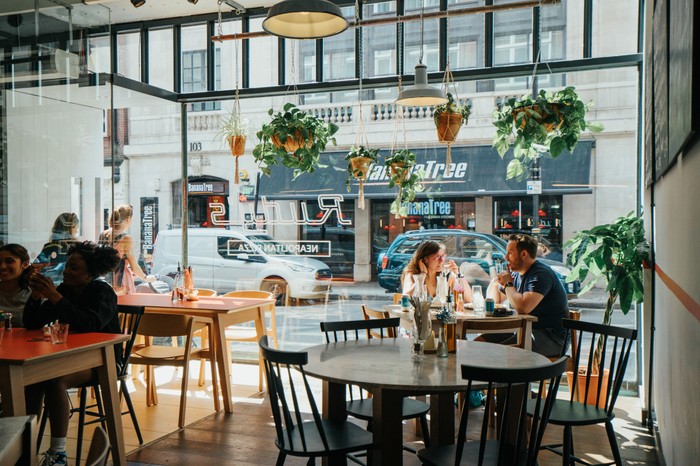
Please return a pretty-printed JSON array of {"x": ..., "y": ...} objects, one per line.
[
  {"x": 129, "y": 321},
  {"x": 614, "y": 344},
  {"x": 281, "y": 369},
  {"x": 355, "y": 327},
  {"x": 517, "y": 438}
]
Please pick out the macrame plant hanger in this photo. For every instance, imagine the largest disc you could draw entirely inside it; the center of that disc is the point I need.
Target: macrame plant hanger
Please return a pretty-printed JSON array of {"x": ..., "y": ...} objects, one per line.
[
  {"x": 399, "y": 173},
  {"x": 447, "y": 81},
  {"x": 540, "y": 150},
  {"x": 236, "y": 142},
  {"x": 361, "y": 135}
]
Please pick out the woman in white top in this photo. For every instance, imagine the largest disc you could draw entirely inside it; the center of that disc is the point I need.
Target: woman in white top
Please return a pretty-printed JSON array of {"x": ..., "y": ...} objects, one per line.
[{"x": 429, "y": 259}]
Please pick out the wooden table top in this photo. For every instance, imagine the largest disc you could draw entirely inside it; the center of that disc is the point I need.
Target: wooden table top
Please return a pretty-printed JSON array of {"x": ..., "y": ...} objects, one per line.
[
  {"x": 386, "y": 363},
  {"x": 467, "y": 314},
  {"x": 20, "y": 345},
  {"x": 209, "y": 303}
]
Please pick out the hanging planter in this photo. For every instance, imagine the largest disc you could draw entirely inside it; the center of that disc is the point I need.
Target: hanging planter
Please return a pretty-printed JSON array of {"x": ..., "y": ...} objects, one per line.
[
  {"x": 401, "y": 174},
  {"x": 294, "y": 139},
  {"x": 449, "y": 118},
  {"x": 234, "y": 130},
  {"x": 549, "y": 122},
  {"x": 359, "y": 160}
]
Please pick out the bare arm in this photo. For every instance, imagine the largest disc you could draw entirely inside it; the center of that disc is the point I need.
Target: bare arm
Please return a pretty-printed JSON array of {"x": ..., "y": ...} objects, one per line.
[
  {"x": 126, "y": 247},
  {"x": 524, "y": 303}
]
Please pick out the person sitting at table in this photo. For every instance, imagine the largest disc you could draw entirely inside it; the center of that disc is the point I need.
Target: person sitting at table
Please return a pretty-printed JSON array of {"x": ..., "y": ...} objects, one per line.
[
  {"x": 14, "y": 281},
  {"x": 428, "y": 260},
  {"x": 86, "y": 304},
  {"x": 531, "y": 288}
]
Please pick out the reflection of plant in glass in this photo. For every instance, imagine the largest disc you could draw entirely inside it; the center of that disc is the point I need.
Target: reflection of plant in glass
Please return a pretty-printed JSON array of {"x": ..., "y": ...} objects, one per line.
[
  {"x": 614, "y": 252},
  {"x": 549, "y": 122}
]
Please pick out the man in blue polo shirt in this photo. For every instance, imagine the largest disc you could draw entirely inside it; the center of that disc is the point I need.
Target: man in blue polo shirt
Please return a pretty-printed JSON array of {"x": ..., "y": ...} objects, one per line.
[{"x": 533, "y": 288}]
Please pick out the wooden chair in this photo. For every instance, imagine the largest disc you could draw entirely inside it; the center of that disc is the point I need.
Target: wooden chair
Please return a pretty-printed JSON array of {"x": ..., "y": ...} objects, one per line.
[
  {"x": 592, "y": 399},
  {"x": 172, "y": 325},
  {"x": 296, "y": 437},
  {"x": 247, "y": 332},
  {"x": 512, "y": 445},
  {"x": 129, "y": 321},
  {"x": 360, "y": 406},
  {"x": 374, "y": 314},
  {"x": 204, "y": 292},
  {"x": 99, "y": 448}
]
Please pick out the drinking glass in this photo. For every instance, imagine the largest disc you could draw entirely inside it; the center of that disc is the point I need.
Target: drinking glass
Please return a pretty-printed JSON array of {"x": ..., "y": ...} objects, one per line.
[
  {"x": 478, "y": 300},
  {"x": 59, "y": 333}
]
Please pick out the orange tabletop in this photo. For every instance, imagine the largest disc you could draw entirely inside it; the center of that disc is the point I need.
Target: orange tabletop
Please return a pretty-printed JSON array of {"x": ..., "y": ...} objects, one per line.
[
  {"x": 223, "y": 311},
  {"x": 27, "y": 358}
]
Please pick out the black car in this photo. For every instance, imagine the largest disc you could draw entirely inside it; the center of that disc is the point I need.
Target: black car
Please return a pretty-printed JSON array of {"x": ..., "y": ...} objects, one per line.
[{"x": 479, "y": 256}]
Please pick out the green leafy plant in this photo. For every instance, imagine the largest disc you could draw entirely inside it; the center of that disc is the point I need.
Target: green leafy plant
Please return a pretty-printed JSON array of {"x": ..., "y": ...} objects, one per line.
[
  {"x": 451, "y": 107},
  {"x": 293, "y": 138},
  {"x": 359, "y": 171},
  {"x": 614, "y": 252},
  {"x": 400, "y": 165},
  {"x": 549, "y": 122}
]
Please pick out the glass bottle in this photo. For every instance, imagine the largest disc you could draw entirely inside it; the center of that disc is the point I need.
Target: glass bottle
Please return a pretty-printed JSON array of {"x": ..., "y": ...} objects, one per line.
[
  {"x": 419, "y": 289},
  {"x": 442, "y": 341},
  {"x": 177, "y": 286},
  {"x": 478, "y": 300}
]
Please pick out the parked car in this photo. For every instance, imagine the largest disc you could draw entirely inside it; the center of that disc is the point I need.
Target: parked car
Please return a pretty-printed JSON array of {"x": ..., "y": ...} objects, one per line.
[
  {"x": 227, "y": 260},
  {"x": 478, "y": 255}
]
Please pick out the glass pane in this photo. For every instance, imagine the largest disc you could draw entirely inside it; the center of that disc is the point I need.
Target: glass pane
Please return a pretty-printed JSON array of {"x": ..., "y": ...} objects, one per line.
[
  {"x": 160, "y": 57},
  {"x": 98, "y": 54},
  {"x": 229, "y": 66},
  {"x": 412, "y": 38},
  {"x": 465, "y": 36},
  {"x": 263, "y": 69},
  {"x": 129, "y": 55},
  {"x": 613, "y": 23},
  {"x": 379, "y": 42},
  {"x": 300, "y": 60},
  {"x": 194, "y": 58},
  {"x": 339, "y": 52}
]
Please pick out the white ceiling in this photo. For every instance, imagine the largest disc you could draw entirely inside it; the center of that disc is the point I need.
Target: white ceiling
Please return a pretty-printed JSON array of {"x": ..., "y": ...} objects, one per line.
[{"x": 121, "y": 11}]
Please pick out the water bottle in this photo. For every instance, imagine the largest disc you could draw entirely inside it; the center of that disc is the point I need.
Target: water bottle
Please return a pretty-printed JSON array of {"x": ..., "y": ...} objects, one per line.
[{"x": 478, "y": 300}]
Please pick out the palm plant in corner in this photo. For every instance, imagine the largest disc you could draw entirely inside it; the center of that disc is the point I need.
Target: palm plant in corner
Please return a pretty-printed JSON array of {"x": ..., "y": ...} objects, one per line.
[
  {"x": 293, "y": 138},
  {"x": 402, "y": 174},
  {"x": 616, "y": 253},
  {"x": 549, "y": 122}
]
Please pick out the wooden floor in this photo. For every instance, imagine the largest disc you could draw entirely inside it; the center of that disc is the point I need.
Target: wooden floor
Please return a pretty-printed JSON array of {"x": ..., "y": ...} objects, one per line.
[{"x": 246, "y": 437}]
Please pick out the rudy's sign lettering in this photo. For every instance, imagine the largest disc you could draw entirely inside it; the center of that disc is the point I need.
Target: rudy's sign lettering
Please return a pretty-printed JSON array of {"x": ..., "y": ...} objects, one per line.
[{"x": 275, "y": 214}]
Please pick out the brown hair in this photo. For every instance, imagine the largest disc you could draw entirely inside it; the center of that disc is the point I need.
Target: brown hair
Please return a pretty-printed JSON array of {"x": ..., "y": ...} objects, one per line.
[
  {"x": 63, "y": 226},
  {"x": 20, "y": 252},
  {"x": 120, "y": 215},
  {"x": 425, "y": 249},
  {"x": 525, "y": 243}
]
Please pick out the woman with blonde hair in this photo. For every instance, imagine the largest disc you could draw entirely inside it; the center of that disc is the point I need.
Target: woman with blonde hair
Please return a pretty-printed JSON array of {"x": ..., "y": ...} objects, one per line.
[{"x": 116, "y": 236}]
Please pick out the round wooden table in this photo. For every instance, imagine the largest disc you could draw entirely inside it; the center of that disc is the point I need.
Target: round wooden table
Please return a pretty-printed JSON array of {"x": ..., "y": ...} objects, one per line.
[{"x": 384, "y": 367}]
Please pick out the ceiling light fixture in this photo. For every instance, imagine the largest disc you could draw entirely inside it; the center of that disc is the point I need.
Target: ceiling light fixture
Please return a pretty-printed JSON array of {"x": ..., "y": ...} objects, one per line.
[
  {"x": 305, "y": 19},
  {"x": 193, "y": 2},
  {"x": 137, "y": 3},
  {"x": 421, "y": 94}
]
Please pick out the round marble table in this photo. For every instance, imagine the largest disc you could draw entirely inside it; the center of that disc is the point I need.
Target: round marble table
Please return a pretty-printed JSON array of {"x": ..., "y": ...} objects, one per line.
[{"x": 384, "y": 367}]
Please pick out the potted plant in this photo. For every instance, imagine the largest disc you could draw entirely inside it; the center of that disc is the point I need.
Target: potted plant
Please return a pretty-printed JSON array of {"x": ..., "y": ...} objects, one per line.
[
  {"x": 294, "y": 138},
  {"x": 449, "y": 118},
  {"x": 549, "y": 122},
  {"x": 401, "y": 174},
  {"x": 359, "y": 160},
  {"x": 614, "y": 252},
  {"x": 234, "y": 131}
]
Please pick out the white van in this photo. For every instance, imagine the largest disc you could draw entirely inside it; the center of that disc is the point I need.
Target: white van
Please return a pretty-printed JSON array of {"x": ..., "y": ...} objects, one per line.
[{"x": 227, "y": 260}]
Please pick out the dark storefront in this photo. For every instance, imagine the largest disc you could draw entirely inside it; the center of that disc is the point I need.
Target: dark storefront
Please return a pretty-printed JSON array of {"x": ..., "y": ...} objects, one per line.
[{"x": 448, "y": 200}]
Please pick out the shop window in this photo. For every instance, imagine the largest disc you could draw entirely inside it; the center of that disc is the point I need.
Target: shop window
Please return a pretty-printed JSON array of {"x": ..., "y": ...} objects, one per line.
[{"x": 194, "y": 78}]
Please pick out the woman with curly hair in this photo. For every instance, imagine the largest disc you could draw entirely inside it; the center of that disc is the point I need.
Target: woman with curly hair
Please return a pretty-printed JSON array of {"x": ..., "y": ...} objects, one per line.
[
  {"x": 14, "y": 281},
  {"x": 86, "y": 304}
]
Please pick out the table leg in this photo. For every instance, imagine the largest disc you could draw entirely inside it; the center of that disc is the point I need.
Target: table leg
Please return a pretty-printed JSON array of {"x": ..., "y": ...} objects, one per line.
[
  {"x": 261, "y": 331},
  {"x": 387, "y": 428},
  {"x": 107, "y": 374},
  {"x": 442, "y": 418},
  {"x": 333, "y": 408},
  {"x": 528, "y": 335},
  {"x": 223, "y": 359},
  {"x": 12, "y": 389}
]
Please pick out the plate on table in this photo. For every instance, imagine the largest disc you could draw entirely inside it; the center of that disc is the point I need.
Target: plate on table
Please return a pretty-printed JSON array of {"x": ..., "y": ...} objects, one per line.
[{"x": 470, "y": 306}]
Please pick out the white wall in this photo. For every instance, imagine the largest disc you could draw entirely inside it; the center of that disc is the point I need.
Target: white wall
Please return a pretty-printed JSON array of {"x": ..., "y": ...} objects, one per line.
[{"x": 676, "y": 360}]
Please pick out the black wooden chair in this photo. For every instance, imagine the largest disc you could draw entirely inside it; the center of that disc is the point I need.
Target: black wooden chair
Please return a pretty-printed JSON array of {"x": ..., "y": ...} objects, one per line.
[
  {"x": 360, "y": 406},
  {"x": 295, "y": 436},
  {"x": 615, "y": 344},
  {"x": 517, "y": 442},
  {"x": 129, "y": 320},
  {"x": 99, "y": 448}
]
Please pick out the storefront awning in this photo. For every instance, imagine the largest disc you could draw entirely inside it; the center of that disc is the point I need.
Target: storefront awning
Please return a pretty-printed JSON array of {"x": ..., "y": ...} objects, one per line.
[{"x": 477, "y": 171}]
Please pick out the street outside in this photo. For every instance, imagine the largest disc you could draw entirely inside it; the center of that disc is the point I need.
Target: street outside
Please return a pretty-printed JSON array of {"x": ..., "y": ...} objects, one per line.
[{"x": 298, "y": 326}]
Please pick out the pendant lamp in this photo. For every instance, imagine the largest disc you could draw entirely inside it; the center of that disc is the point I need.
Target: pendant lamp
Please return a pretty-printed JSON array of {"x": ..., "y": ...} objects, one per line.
[
  {"x": 421, "y": 94},
  {"x": 305, "y": 19}
]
